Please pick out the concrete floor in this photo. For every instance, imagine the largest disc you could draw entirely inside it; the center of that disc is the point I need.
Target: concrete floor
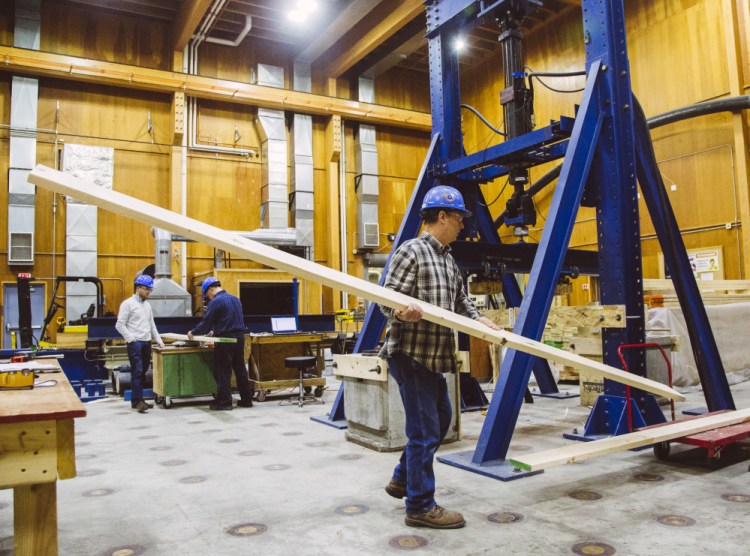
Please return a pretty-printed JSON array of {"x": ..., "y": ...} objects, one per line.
[{"x": 267, "y": 480}]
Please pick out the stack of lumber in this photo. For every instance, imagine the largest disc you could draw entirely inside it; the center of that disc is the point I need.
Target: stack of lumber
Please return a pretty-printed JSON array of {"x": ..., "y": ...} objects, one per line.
[{"x": 713, "y": 292}]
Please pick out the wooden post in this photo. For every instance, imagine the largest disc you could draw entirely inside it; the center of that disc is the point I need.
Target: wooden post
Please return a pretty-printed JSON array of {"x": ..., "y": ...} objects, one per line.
[{"x": 332, "y": 299}]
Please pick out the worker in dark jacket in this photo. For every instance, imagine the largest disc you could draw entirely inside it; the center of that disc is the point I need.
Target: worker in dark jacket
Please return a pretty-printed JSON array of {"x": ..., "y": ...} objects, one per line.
[{"x": 223, "y": 318}]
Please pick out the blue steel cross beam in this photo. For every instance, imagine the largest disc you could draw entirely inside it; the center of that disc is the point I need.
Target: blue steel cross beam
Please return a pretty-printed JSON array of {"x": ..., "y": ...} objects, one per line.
[{"x": 600, "y": 168}]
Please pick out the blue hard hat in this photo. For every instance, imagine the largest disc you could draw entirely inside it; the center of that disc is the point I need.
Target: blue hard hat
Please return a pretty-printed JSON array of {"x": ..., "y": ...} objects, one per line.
[
  {"x": 208, "y": 282},
  {"x": 444, "y": 197},
  {"x": 144, "y": 280}
]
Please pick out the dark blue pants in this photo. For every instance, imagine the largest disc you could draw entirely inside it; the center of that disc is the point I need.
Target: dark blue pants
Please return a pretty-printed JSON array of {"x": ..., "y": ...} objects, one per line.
[
  {"x": 226, "y": 358},
  {"x": 428, "y": 415},
  {"x": 139, "y": 355}
]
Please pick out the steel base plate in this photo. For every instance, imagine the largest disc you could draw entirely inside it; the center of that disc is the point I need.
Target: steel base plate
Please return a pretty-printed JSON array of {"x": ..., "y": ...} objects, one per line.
[
  {"x": 341, "y": 424},
  {"x": 495, "y": 469}
]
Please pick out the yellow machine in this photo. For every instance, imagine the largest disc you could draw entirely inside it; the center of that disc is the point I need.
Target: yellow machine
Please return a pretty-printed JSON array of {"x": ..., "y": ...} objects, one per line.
[{"x": 14, "y": 380}]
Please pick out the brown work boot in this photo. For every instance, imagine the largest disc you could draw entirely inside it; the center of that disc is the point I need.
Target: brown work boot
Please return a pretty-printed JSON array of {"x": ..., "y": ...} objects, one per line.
[
  {"x": 142, "y": 407},
  {"x": 397, "y": 490},
  {"x": 437, "y": 518}
]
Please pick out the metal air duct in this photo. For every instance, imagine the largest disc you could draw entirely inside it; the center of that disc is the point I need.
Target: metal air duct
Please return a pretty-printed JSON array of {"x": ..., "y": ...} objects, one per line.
[
  {"x": 366, "y": 179},
  {"x": 23, "y": 123},
  {"x": 168, "y": 298},
  {"x": 97, "y": 165},
  {"x": 301, "y": 198},
  {"x": 271, "y": 126}
]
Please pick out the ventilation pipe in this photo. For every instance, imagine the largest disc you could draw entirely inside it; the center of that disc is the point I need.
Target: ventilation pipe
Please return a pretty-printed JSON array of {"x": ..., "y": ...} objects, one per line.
[
  {"x": 301, "y": 197},
  {"x": 23, "y": 122},
  {"x": 94, "y": 164},
  {"x": 168, "y": 299},
  {"x": 236, "y": 42},
  {"x": 366, "y": 179},
  {"x": 271, "y": 126}
]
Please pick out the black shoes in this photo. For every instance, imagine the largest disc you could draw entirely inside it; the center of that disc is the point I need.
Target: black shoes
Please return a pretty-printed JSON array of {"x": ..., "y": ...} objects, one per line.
[
  {"x": 215, "y": 406},
  {"x": 245, "y": 403}
]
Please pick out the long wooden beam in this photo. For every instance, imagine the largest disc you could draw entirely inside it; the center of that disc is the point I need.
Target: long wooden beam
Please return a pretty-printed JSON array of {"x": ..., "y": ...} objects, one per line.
[
  {"x": 66, "y": 184},
  {"x": 134, "y": 77},
  {"x": 586, "y": 450},
  {"x": 403, "y": 12},
  {"x": 354, "y": 12},
  {"x": 186, "y": 22}
]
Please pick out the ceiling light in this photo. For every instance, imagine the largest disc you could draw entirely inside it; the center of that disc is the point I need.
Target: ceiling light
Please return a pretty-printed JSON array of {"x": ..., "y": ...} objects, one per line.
[
  {"x": 297, "y": 15},
  {"x": 460, "y": 44},
  {"x": 307, "y": 6}
]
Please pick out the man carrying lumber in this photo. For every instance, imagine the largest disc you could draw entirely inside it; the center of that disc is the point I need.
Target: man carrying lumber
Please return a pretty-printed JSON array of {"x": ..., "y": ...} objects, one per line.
[
  {"x": 223, "y": 318},
  {"x": 419, "y": 352}
]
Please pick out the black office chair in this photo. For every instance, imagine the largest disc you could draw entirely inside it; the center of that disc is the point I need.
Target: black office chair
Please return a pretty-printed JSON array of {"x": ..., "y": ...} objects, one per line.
[{"x": 306, "y": 365}]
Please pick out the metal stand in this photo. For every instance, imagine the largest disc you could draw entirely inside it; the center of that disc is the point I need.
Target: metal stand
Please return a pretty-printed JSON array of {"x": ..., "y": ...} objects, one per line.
[{"x": 305, "y": 364}]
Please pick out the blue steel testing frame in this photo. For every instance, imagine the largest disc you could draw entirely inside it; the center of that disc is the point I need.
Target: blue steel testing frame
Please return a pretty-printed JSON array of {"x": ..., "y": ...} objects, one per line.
[{"x": 607, "y": 152}]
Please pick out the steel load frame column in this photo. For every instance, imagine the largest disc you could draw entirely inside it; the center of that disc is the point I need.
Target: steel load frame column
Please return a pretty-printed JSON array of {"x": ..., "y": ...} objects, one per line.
[{"x": 603, "y": 128}]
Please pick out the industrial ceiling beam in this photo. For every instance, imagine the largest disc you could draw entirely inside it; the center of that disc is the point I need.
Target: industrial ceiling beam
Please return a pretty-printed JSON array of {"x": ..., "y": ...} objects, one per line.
[
  {"x": 190, "y": 15},
  {"x": 19, "y": 60},
  {"x": 397, "y": 14},
  {"x": 353, "y": 14}
]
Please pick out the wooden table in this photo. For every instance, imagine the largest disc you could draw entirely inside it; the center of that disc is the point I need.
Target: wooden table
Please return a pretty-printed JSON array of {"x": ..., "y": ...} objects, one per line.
[
  {"x": 37, "y": 446},
  {"x": 265, "y": 354}
]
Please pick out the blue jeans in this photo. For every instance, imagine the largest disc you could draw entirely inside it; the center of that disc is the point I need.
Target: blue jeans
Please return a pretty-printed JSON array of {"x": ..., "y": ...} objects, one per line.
[
  {"x": 139, "y": 355},
  {"x": 428, "y": 416}
]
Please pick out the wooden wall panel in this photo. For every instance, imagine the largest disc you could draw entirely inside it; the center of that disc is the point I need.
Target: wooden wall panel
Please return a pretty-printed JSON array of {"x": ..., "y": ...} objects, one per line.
[
  {"x": 75, "y": 30},
  {"x": 403, "y": 89},
  {"x": 106, "y": 114},
  {"x": 218, "y": 122},
  {"x": 677, "y": 58}
]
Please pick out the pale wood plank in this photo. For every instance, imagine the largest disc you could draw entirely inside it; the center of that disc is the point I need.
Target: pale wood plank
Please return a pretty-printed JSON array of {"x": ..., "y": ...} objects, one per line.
[
  {"x": 184, "y": 338},
  {"x": 585, "y": 450},
  {"x": 48, "y": 178}
]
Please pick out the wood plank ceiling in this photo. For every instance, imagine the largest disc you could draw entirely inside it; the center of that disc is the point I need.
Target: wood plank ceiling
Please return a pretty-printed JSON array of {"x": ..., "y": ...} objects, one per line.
[{"x": 341, "y": 38}]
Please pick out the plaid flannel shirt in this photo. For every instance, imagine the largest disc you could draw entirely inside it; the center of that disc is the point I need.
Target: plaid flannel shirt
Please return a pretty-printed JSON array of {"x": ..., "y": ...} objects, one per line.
[{"x": 424, "y": 268}]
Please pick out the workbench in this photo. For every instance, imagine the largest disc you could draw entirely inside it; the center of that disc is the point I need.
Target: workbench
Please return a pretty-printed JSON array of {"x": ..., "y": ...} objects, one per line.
[
  {"x": 182, "y": 372},
  {"x": 265, "y": 354},
  {"x": 37, "y": 445}
]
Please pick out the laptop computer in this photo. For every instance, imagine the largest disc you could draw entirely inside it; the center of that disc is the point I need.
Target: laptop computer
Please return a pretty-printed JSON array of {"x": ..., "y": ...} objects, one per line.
[{"x": 284, "y": 325}]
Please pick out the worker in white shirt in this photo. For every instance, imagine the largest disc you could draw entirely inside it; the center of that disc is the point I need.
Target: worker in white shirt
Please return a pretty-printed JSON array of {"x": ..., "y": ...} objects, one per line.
[{"x": 136, "y": 324}]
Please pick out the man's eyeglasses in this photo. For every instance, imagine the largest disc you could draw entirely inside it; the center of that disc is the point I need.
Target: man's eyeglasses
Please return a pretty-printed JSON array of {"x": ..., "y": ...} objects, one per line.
[{"x": 457, "y": 215}]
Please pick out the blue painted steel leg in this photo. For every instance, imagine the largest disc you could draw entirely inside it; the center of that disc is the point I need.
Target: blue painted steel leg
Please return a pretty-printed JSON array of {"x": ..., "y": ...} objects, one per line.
[
  {"x": 710, "y": 368},
  {"x": 336, "y": 417},
  {"x": 374, "y": 323},
  {"x": 506, "y": 402},
  {"x": 615, "y": 195}
]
